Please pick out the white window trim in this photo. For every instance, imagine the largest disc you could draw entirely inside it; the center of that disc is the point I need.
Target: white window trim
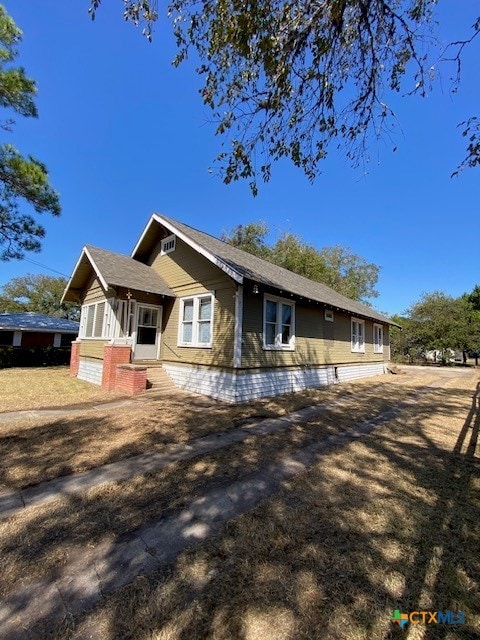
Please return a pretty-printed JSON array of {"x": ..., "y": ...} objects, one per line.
[
  {"x": 329, "y": 315},
  {"x": 377, "y": 348},
  {"x": 108, "y": 325},
  {"x": 165, "y": 241},
  {"x": 195, "y": 321},
  {"x": 360, "y": 348},
  {"x": 278, "y": 346}
]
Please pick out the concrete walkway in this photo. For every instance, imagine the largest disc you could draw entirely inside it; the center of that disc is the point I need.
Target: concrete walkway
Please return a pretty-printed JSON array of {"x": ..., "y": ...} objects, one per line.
[
  {"x": 61, "y": 412},
  {"x": 91, "y": 573},
  {"x": 12, "y": 502},
  {"x": 72, "y": 410}
]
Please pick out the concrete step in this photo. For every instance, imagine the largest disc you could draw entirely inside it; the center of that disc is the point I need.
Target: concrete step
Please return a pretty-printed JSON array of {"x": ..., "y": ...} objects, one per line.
[{"x": 158, "y": 379}]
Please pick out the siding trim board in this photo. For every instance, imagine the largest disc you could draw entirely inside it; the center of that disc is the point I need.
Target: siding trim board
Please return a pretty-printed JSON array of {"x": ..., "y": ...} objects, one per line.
[
  {"x": 232, "y": 387},
  {"x": 238, "y": 329}
]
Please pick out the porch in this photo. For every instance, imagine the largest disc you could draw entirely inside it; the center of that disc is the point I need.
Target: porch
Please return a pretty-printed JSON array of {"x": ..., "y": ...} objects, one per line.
[{"x": 120, "y": 339}]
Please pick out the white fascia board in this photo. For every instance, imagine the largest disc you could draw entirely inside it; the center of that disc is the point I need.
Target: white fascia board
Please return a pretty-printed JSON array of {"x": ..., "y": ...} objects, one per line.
[
  {"x": 144, "y": 233},
  {"x": 96, "y": 269},
  {"x": 73, "y": 273},
  {"x": 85, "y": 252},
  {"x": 206, "y": 254}
]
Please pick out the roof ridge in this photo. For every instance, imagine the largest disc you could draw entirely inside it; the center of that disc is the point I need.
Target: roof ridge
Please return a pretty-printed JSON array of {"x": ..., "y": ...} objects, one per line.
[
  {"x": 269, "y": 262},
  {"x": 240, "y": 264},
  {"x": 115, "y": 253}
]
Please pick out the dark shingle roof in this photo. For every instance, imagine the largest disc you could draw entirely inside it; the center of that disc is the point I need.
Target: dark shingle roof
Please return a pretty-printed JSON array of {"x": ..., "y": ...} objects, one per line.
[
  {"x": 31, "y": 321},
  {"x": 121, "y": 271},
  {"x": 267, "y": 273}
]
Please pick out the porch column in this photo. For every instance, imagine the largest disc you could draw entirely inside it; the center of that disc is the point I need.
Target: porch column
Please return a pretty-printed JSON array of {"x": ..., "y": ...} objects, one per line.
[
  {"x": 74, "y": 359},
  {"x": 113, "y": 354}
]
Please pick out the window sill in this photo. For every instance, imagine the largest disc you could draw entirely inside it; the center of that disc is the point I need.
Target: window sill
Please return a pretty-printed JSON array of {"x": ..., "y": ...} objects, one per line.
[
  {"x": 270, "y": 348},
  {"x": 195, "y": 346},
  {"x": 358, "y": 351}
]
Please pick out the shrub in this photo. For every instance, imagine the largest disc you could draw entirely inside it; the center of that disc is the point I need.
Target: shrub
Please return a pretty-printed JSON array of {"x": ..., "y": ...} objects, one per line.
[{"x": 33, "y": 356}]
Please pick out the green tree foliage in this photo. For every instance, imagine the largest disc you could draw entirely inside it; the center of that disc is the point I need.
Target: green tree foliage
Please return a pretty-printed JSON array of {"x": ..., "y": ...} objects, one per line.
[
  {"x": 474, "y": 297},
  {"x": 405, "y": 342},
  {"x": 250, "y": 237},
  {"x": 24, "y": 182},
  {"x": 438, "y": 321},
  {"x": 441, "y": 322},
  {"x": 336, "y": 267},
  {"x": 288, "y": 79},
  {"x": 38, "y": 293}
]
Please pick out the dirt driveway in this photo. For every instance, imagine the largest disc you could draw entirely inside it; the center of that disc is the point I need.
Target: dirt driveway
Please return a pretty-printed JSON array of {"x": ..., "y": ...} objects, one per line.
[{"x": 386, "y": 521}]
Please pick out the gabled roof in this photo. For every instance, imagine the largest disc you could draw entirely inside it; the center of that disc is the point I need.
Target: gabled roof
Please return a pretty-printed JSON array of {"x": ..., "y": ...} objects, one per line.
[
  {"x": 31, "y": 321},
  {"x": 114, "y": 270},
  {"x": 239, "y": 264}
]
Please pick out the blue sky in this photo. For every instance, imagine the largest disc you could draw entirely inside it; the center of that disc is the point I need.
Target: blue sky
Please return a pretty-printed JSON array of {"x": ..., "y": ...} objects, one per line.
[{"x": 124, "y": 134}]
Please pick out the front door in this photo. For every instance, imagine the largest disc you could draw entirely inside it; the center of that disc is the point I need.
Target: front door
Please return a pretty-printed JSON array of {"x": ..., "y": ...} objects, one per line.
[{"x": 147, "y": 335}]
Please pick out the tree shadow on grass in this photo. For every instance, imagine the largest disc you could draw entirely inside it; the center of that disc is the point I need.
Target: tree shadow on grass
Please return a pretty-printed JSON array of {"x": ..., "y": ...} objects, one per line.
[
  {"x": 58, "y": 447},
  {"x": 330, "y": 556},
  {"x": 333, "y": 557},
  {"x": 445, "y": 574}
]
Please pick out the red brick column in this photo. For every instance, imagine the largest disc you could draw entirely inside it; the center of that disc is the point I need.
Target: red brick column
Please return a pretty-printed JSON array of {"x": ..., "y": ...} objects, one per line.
[
  {"x": 113, "y": 354},
  {"x": 131, "y": 379},
  {"x": 74, "y": 359}
]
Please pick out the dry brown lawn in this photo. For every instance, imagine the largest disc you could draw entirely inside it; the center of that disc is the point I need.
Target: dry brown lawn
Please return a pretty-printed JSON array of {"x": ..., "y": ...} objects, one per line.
[
  {"x": 60, "y": 446},
  {"x": 389, "y": 521},
  {"x": 46, "y": 387}
]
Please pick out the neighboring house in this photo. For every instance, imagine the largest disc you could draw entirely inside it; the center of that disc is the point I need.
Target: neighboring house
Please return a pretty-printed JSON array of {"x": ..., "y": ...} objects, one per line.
[
  {"x": 36, "y": 330},
  {"x": 439, "y": 355},
  {"x": 220, "y": 321}
]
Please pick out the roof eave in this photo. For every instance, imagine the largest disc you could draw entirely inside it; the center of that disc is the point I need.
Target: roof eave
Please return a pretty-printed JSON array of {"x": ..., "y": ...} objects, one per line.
[
  {"x": 381, "y": 320},
  {"x": 143, "y": 289},
  {"x": 70, "y": 280},
  {"x": 68, "y": 288},
  {"x": 40, "y": 329}
]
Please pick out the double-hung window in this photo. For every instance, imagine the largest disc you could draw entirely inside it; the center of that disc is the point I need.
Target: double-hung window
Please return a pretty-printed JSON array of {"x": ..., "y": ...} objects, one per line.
[
  {"x": 93, "y": 322},
  {"x": 358, "y": 335},
  {"x": 378, "y": 338},
  {"x": 196, "y": 321},
  {"x": 278, "y": 324}
]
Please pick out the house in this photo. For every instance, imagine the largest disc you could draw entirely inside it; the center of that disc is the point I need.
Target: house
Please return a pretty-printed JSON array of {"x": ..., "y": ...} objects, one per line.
[
  {"x": 36, "y": 330},
  {"x": 220, "y": 321}
]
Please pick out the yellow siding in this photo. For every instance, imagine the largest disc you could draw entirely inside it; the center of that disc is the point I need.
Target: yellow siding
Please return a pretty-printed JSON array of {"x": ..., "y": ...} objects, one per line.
[
  {"x": 189, "y": 273},
  {"x": 221, "y": 353},
  {"x": 92, "y": 348},
  {"x": 186, "y": 269},
  {"x": 342, "y": 351},
  {"x": 94, "y": 292},
  {"x": 317, "y": 341}
]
